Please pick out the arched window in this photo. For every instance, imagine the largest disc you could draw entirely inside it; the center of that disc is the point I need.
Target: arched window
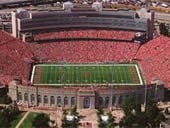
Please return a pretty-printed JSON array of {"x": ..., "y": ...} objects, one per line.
[
  {"x": 73, "y": 101},
  {"x": 25, "y": 96},
  {"x": 45, "y": 99},
  {"x": 52, "y": 100},
  {"x": 107, "y": 101},
  {"x": 66, "y": 100},
  {"x": 32, "y": 98},
  {"x": 19, "y": 96},
  {"x": 100, "y": 101},
  {"x": 39, "y": 99},
  {"x": 58, "y": 100},
  {"x": 113, "y": 100}
]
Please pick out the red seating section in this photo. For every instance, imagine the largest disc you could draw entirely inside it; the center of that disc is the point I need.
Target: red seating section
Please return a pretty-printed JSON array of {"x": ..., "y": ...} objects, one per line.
[
  {"x": 155, "y": 60},
  {"x": 153, "y": 57},
  {"x": 96, "y": 34},
  {"x": 13, "y": 58},
  {"x": 85, "y": 51}
]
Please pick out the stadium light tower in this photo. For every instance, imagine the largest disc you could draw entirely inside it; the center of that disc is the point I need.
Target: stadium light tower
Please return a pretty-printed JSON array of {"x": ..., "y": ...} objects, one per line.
[
  {"x": 146, "y": 89},
  {"x": 145, "y": 100},
  {"x": 156, "y": 89}
]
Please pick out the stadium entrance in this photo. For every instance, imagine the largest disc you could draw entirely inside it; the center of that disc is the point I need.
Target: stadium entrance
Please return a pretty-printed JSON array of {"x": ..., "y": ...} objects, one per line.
[
  {"x": 86, "y": 103},
  {"x": 86, "y": 98}
]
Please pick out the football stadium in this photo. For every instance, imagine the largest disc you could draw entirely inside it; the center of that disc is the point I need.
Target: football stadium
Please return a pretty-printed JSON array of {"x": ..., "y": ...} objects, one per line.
[{"x": 84, "y": 57}]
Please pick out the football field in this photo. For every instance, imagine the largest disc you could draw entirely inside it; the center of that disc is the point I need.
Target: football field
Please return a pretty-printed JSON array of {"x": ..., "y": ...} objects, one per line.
[{"x": 86, "y": 74}]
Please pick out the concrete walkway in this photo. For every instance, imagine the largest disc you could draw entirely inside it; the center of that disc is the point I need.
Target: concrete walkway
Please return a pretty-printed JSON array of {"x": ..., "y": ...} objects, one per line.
[{"x": 20, "y": 122}]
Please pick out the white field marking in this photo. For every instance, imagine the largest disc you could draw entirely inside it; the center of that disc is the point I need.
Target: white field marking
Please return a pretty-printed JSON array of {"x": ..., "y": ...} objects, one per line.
[
  {"x": 89, "y": 84},
  {"x": 139, "y": 76},
  {"x": 126, "y": 79},
  {"x": 141, "y": 82},
  {"x": 32, "y": 74},
  {"x": 55, "y": 73},
  {"x": 85, "y": 65},
  {"x": 47, "y": 75}
]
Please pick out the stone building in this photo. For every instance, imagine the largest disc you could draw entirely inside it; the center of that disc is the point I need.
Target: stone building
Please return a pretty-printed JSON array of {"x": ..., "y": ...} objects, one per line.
[{"x": 82, "y": 97}]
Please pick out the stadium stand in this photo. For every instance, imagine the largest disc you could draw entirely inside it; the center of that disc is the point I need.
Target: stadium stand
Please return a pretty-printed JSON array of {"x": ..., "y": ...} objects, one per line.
[
  {"x": 155, "y": 62},
  {"x": 85, "y": 51},
  {"x": 88, "y": 34},
  {"x": 14, "y": 56},
  {"x": 42, "y": 22}
]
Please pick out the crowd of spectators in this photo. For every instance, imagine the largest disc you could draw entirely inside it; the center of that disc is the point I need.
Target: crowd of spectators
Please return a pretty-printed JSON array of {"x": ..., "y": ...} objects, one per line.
[
  {"x": 154, "y": 59},
  {"x": 14, "y": 58},
  {"x": 95, "y": 34},
  {"x": 17, "y": 56},
  {"x": 85, "y": 51}
]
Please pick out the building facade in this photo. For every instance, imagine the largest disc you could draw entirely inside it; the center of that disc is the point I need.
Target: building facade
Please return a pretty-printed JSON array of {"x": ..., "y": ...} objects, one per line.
[{"x": 82, "y": 97}]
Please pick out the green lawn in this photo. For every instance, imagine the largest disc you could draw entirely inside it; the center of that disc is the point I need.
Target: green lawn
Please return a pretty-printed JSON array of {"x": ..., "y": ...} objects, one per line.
[
  {"x": 87, "y": 74},
  {"x": 17, "y": 119},
  {"x": 27, "y": 123}
]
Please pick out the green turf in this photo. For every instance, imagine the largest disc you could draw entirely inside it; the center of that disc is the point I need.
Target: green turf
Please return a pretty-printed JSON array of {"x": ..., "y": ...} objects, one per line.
[
  {"x": 16, "y": 120},
  {"x": 87, "y": 74},
  {"x": 27, "y": 123}
]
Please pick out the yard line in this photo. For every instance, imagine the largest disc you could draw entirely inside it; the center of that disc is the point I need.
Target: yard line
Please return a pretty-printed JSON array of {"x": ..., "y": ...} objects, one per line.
[
  {"x": 108, "y": 75},
  {"x": 124, "y": 75},
  {"x": 127, "y": 74},
  {"x": 50, "y": 75},
  {"x": 98, "y": 74},
  {"x": 90, "y": 71},
  {"x": 93, "y": 75},
  {"x": 121, "y": 73},
  {"x": 116, "y": 75},
  {"x": 47, "y": 75},
  {"x": 72, "y": 74}
]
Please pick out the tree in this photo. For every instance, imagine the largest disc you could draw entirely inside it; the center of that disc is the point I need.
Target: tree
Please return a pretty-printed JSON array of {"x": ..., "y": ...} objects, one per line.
[
  {"x": 13, "y": 110},
  {"x": 135, "y": 117},
  {"x": 128, "y": 105},
  {"x": 4, "y": 120},
  {"x": 7, "y": 99},
  {"x": 163, "y": 29},
  {"x": 64, "y": 120},
  {"x": 100, "y": 121},
  {"x": 153, "y": 114},
  {"x": 100, "y": 112},
  {"x": 8, "y": 114},
  {"x": 41, "y": 120},
  {"x": 76, "y": 122},
  {"x": 167, "y": 111},
  {"x": 105, "y": 124},
  {"x": 110, "y": 121},
  {"x": 101, "y": 124},
  {"x": 74, "y": 111}
]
